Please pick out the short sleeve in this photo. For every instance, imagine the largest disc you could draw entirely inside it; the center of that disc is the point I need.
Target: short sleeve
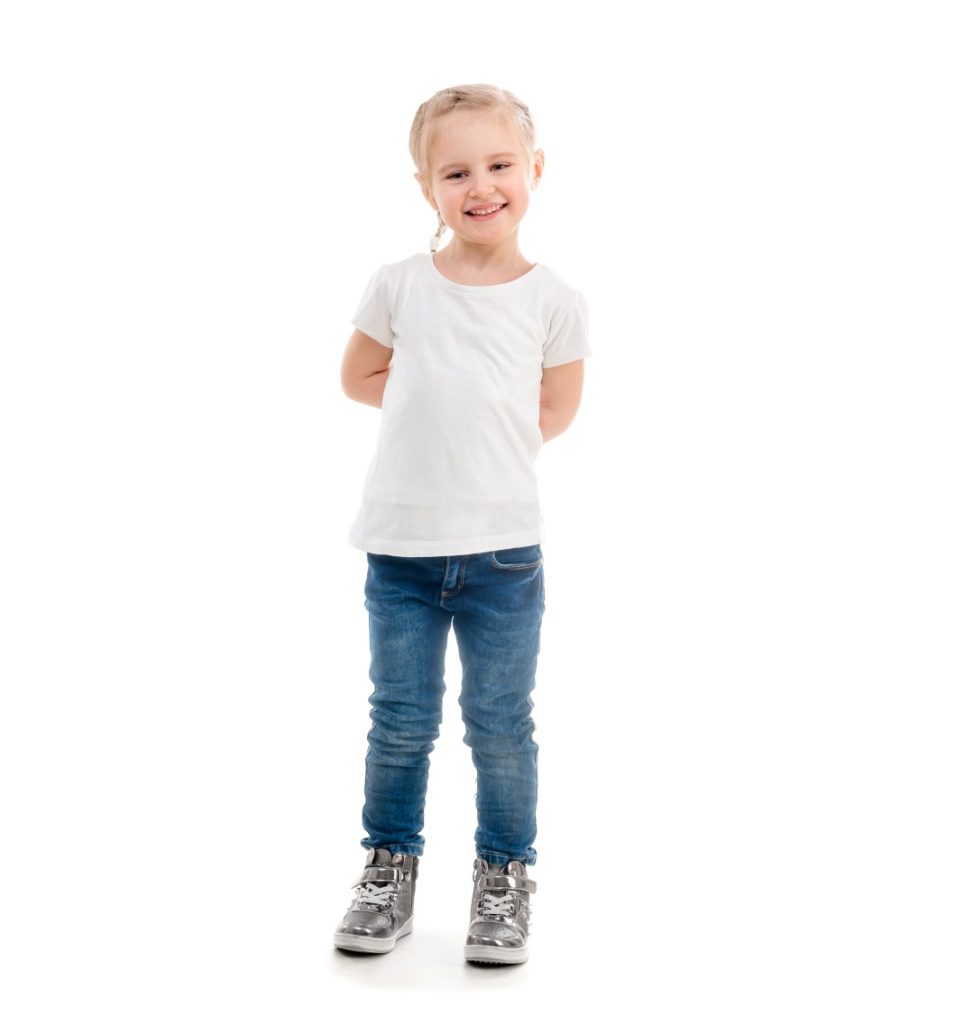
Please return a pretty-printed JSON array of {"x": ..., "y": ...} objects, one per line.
[
  {"x": 374, "y": 313},
  {"x": 568, "y": 338}
]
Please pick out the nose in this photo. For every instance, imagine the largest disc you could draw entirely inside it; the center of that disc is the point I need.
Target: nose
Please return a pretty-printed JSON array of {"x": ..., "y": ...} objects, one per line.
[{"x": 479, "y": 188}]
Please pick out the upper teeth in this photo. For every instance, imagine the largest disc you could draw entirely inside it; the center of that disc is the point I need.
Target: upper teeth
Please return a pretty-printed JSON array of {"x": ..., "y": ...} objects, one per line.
[{"x": 489, "y": 210}]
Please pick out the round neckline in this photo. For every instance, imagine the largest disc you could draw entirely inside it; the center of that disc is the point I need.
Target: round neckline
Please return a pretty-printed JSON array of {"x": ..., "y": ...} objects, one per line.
[{"x": 457, "y": 286}]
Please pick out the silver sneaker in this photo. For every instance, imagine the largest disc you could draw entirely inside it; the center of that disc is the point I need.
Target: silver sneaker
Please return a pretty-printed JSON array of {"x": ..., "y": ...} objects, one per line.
[
  {"x": 382, "y": 910},
  {"x": 500, "y": 912}
]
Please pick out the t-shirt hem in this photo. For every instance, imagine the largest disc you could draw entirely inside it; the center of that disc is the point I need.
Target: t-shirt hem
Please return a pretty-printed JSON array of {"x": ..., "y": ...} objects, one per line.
[
  {"x": 462, "y": 546},
  {"x": 560, "y": 360},
  {"x": 373, "y": 331}
]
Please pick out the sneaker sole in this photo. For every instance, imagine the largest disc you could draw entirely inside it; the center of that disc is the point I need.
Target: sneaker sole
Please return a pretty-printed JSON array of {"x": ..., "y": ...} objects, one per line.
[
  {"x": 496, "y": 954},
  {"x": 371, "y": 943}
]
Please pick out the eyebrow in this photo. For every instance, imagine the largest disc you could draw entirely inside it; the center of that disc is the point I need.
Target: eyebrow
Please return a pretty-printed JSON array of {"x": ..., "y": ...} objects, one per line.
[{"x": 494, "y": 157}]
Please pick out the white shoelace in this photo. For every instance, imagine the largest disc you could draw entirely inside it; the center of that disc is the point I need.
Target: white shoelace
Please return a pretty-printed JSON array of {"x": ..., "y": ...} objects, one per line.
[
  {"x": 502, "y": 905},
  {"x": 374, "y": 896}
]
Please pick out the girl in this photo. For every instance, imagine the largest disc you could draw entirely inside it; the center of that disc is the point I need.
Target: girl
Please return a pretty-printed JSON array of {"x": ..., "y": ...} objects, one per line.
[{"x": 474, "y": 355}]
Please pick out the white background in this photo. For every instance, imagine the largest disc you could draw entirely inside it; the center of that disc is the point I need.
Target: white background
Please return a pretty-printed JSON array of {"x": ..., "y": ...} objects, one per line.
[{"x": 752, "y": 700}]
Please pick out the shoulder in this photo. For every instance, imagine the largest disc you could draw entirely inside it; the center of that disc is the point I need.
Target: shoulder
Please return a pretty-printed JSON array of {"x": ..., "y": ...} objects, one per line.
[
  {"x": 560, "y": 289},
  {"x": 562, "y": 297},
  {"x": 392, "y": 280},
  {"x": 396, "y": 269},
  {"x": 403, "y": 273},
  {"x": 406, "y": 267}
]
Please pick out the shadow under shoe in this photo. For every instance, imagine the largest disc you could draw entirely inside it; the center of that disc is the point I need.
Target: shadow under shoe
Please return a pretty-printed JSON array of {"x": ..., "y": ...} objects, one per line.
[
  {"x": 500, "y": 912},
  {"x": 382, "y": 909}
]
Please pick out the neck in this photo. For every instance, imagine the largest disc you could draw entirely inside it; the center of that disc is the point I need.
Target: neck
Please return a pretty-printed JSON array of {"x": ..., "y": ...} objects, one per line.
[{"x": 504, "y": 256}]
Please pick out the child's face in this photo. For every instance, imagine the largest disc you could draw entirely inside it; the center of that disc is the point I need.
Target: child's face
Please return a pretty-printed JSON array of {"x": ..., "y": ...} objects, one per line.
[{"x": 468, "y": 170}]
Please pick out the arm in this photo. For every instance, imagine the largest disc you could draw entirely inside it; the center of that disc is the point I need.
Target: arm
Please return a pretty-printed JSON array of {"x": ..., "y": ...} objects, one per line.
[
  {"x": 561, "y": 395},
  {"x": 365, "y": 369}
]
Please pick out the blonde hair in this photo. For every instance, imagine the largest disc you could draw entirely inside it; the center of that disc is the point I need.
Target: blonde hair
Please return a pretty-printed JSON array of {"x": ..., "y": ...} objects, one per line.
[{"x": 465, "y": 97}]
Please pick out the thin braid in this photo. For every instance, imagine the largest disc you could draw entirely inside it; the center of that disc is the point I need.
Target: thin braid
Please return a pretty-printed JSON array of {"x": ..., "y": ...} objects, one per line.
[{"x": 441, "y": 228}]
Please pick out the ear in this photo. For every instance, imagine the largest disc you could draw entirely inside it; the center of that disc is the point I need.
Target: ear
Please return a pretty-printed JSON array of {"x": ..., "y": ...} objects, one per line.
[{"x": 538, "y": 166}]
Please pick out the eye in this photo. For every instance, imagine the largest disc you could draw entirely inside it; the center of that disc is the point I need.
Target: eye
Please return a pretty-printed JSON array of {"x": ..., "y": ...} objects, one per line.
[{"x": 455, "y": 173}]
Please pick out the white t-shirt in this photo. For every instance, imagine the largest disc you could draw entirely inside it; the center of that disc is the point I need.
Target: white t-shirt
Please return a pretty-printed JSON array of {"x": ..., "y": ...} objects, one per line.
[{"x": 453, "y": 471}]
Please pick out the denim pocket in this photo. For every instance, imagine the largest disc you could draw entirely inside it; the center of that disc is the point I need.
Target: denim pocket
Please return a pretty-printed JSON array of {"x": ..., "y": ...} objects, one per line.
[{"x": 529, "y": 557}]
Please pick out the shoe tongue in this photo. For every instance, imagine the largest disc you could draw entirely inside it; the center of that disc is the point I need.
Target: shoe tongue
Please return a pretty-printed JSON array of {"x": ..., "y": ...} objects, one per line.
[
  {"x": 382, "y": 856},
  {"x": 511, "y": 867}
]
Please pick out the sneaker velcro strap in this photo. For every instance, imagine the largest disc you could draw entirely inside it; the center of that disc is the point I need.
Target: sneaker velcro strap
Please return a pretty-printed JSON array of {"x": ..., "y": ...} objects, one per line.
[
  {"x": 507, "y": 882},
  {"x": 381, "y": 873}
]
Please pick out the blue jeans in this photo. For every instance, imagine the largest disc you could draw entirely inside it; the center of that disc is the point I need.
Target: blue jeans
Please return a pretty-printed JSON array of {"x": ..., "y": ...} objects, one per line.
[{"x": 495, "y": 601}]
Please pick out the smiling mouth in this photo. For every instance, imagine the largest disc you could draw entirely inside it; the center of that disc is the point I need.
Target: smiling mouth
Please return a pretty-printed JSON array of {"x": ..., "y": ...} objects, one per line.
[{"x": 484, "y": 216}]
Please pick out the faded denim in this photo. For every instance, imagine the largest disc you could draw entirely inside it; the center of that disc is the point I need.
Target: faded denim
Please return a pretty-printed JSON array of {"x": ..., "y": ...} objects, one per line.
[{"x": 495, "y": 602}]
